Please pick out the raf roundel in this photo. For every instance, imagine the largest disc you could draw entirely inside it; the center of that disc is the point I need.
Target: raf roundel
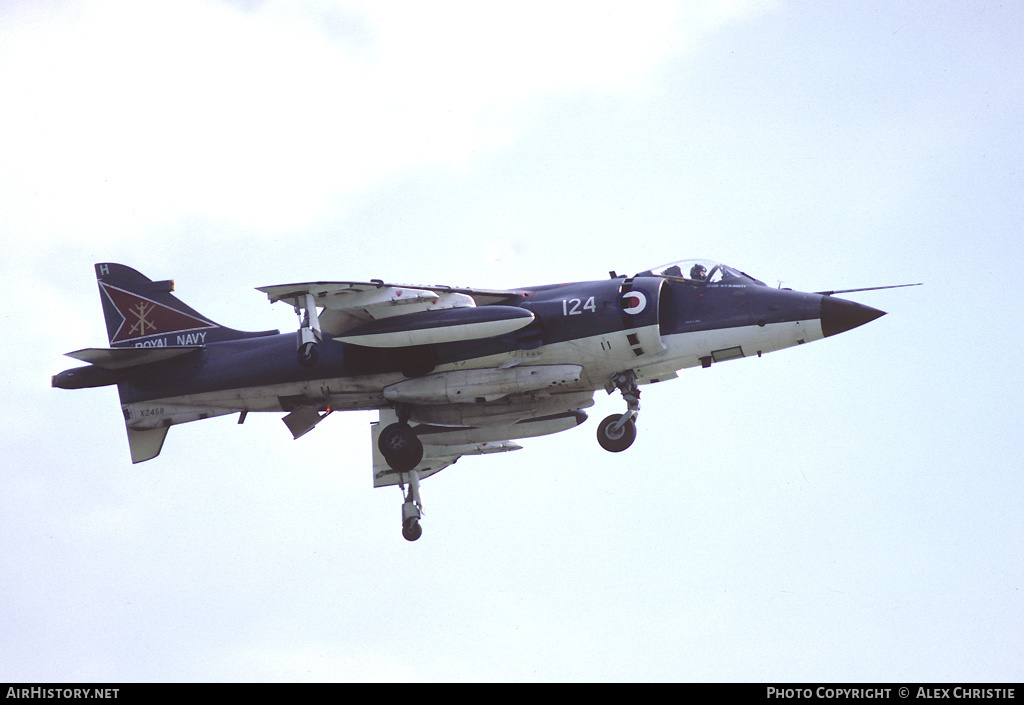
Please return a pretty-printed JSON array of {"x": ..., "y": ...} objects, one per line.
[{"x": 633, "y": 302}]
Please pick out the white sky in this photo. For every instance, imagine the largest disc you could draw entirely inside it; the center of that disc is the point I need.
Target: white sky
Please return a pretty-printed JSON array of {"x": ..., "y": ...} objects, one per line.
[{"x": 850, "y": 510}]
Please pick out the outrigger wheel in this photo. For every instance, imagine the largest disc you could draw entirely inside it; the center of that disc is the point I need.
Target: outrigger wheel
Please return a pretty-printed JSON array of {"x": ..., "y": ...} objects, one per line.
[
  {"x": 412, "y": 530},
  {"x": 309, "y": 334},
  {"x": 400, "y": 446},
  {"x": 412, "y": 509},
  {"x": 308, "y": 355}
]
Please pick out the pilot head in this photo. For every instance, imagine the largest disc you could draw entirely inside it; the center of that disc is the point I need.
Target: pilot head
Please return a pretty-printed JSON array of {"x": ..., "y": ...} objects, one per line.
[{"x": 698, "y": 271}]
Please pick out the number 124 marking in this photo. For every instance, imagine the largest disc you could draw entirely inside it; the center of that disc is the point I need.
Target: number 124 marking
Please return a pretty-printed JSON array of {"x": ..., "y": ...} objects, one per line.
[{"x": 571, "y": 307}]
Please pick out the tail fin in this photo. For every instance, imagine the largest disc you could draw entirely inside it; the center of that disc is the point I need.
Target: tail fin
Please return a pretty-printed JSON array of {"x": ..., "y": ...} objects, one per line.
[{"x": 140, "y": 312}]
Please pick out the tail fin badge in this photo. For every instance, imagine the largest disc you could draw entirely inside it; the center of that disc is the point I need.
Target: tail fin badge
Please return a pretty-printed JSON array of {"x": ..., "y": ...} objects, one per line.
[{"x": 144, "y": 318}]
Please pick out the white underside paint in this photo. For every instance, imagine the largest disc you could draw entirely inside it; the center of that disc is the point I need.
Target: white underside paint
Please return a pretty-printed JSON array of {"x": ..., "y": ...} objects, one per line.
[
  {"x": 599, "y": 356},
  {"x": 653, "y": 358}
]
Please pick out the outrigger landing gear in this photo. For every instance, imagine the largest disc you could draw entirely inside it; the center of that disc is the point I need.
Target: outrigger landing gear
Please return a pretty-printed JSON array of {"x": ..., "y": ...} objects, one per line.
[
  {"x": 412, "y": 509},
  {"x": 309, "y": 333},
  {"x": 308, "y": 354},
  {"x": 618, "y": 431}
]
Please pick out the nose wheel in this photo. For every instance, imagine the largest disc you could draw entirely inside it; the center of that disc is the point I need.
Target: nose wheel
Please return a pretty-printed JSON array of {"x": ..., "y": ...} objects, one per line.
[
  {"x": 615, "y": 436},
  {"x": 618, "y": 431}
]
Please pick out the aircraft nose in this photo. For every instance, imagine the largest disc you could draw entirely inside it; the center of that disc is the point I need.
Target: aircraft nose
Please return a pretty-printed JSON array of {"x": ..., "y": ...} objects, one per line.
[{"x": 840, "y": 315}]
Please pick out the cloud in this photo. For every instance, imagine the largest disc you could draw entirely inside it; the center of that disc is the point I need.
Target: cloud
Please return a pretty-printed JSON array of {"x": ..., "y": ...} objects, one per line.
[{"x": 127, "y": 115}]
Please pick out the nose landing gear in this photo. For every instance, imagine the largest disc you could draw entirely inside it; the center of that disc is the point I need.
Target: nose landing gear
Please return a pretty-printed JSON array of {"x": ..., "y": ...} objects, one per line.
[
  {"x": 614, "y": 435},
  {"x": 618, "y": 431}
]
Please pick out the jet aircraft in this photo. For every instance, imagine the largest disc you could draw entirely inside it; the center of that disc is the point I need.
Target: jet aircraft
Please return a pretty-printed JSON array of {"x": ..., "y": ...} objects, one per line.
[{"x": 452, "y": 371}]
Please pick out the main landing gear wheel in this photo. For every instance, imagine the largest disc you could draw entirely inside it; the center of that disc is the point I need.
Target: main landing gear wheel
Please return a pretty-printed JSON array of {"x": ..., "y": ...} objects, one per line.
[
  {"x": 400, "y": 446},
  {"x": 615, "y": 437}
]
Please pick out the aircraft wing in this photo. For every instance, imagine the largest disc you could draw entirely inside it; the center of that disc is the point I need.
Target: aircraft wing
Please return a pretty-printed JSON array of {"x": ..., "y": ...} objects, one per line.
[
  {"x": 375, "y": 314},
  {"x": 377, "y": 298}
]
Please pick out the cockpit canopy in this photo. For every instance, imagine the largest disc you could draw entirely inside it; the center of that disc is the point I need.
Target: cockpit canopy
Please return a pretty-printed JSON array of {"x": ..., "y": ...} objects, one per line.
[{"x": 701, "y": 271}]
